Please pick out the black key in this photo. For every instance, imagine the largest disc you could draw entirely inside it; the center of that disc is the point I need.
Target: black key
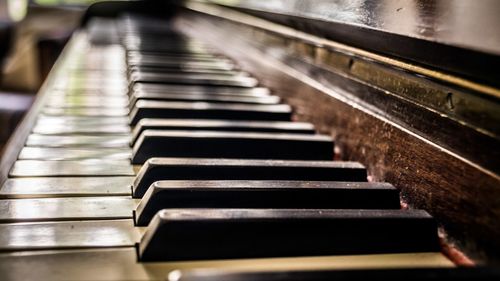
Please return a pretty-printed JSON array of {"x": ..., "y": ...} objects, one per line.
[
  {"x": 218, "y": 144},
  {"x": 199, "y": 234},
  {"x": 202, "y": 110},
  {"x": 394, "y": 274},
  {"x": 215, "y": 98},
  {"x": 265, "y": 194},
  {"x": 156, "y": 169},
  {"x": 221, "y": 125},
  {"x": 195, "y": 79},
  {"x": 191, "y": 89}
]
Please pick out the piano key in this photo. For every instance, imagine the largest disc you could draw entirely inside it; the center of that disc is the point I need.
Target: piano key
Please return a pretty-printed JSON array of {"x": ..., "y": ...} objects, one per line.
[
  {"x": 109, "y": 90},
  {"x": 81, "y": 129},
  {"x": 64, "y": 101},
  {"x": 142, "y": 58},
  {"x": 89, "y": 111},
  {"x": 104, "y": 66},
  {"x": 84, "y": 81},
  {"x": 119, "y": 264},
  {"x": 393, "y": 274},
  {"x": 48, "y": 120},
  {"x": 138, "y": 42},
  {"x": 68, "y": 234},
  {"x": 265, "y": 194},
  {"x": 91, "y": 91},
  {"x": 66, "y": 187},
  {"x": 157, "y": 42},
  {"x": 97, "y": 59},
  {"x": 151, "y": 35},
  {"x": 142, "y": 44},
  {"x": 155, "y": 38},
  {"x": 198, "y": 234},
  {"x": 191, "y": 89},
  {"x": 98, "y": 74},
  {"x": 149, "y": 28},
  {"x": 202, "y": 110},
  {"x": 120, "y": 141},
  {"x": 63, "y": 153},
  {"x": 185, "y": 68},
  {"x": 160, "y": 44},
  {"x": 156, "y": 169},
  {"x": 221, "y": 125},
  {"x": 87, "y": 167},
  {"x": 66, "y": 209},
  {"x": 245, "y": 145},
  {"x": 93, "y": 74},
  {"x": 196, "y": 79},
  {"x": 91, "y": 77},
  {"x": 167, "y": 69},
  {"x": 136, "y": 54},
  {"x": 166, "y": 48},
  {"x": 221, "y": 98},
  {"x": 220, "y": 65},
  {"x": 187, "y": 53}
]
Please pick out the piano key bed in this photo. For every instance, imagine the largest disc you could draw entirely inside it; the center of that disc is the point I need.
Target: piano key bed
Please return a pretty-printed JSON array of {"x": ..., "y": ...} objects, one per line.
[{"x": 153, "y": 158}]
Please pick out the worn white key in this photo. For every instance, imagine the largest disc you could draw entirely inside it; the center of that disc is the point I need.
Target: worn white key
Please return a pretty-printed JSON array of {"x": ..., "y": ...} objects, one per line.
[
  {"x": 58, "y": 153},
  {"x": 81, "y": 129},
  {"x": 76, "y": 82},
  {"x": 82, "y": 91},
  {"x": 66, "y": 186},
  {"x": 86, "y": 111},
  {"x": 121, "y": 264},
  {"x": 78, "y": 141},
  {"x": 68, "y": 234},
  {"x": 64, "y": 101},
  {"x": 68, "y": 208},
  {"x": 190, "y": 89},
  {"x": 88, "y": 167},
  {"x": 48, "y": 120}
]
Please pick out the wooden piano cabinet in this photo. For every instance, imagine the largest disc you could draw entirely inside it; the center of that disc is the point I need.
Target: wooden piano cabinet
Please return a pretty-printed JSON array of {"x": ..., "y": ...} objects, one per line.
[{"x": 399, "y": 141}]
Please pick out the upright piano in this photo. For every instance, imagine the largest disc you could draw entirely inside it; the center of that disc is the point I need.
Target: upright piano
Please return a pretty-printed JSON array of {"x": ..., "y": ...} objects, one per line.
[{"x": 261, "y": 140}]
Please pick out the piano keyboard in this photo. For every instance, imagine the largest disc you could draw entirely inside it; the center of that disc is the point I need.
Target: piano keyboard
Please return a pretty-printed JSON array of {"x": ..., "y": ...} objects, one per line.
[{"x": 155, "y": 154}]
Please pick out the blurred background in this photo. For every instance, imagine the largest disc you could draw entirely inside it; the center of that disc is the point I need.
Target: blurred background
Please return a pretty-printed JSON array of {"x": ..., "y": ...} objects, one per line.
[{"x": 32, "y": 35}]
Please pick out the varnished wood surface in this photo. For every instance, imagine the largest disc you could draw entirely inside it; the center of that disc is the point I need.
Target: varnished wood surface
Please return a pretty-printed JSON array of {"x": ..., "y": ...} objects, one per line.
[
  {"x": 460, "y": 194},
  {"x": 457, "y": 36},
  {"x": 429, "y": 20}
]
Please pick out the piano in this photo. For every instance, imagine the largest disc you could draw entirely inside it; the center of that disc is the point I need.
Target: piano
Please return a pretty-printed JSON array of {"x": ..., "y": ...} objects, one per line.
[{"x": 252, "y": 140}]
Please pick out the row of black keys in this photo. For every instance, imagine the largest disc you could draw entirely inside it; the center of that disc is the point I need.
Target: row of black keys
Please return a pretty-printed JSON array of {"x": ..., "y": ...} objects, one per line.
[{"x": 271, "y": 208}]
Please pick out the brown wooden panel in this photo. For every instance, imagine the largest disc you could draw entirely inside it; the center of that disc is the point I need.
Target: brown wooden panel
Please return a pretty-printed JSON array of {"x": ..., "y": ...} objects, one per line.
[{"x": 461, "y": 195}]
